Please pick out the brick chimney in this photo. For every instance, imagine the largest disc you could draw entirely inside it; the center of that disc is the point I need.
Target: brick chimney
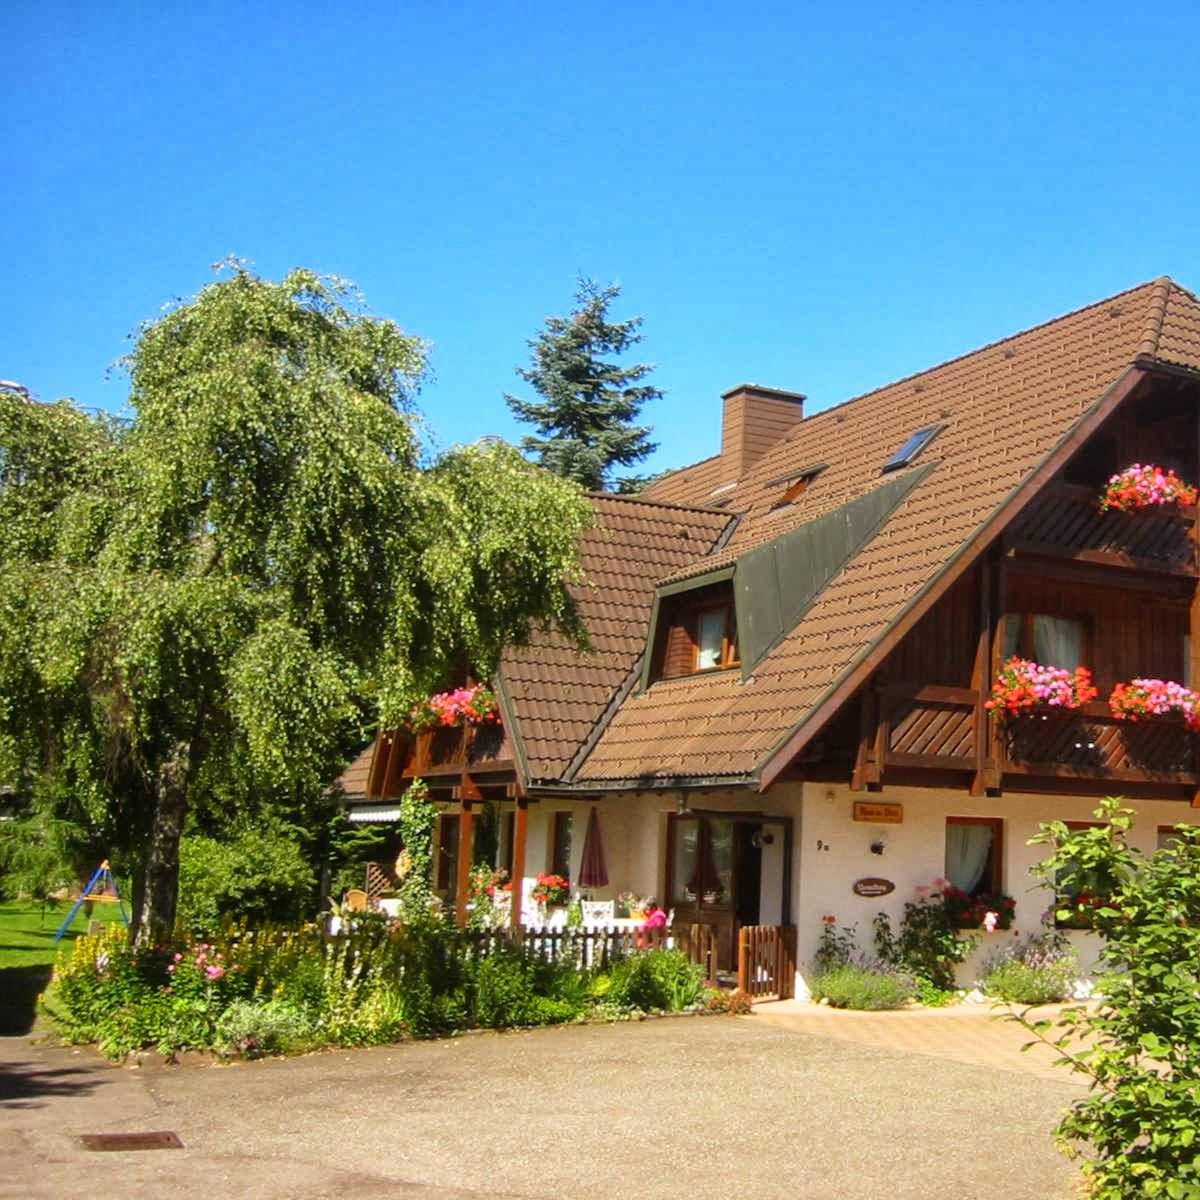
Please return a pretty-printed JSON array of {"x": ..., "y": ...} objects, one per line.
[{"x": 755, "y": 419}]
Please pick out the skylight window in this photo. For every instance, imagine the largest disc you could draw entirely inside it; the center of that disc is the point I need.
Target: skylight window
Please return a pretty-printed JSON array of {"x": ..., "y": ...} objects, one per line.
[
  {"x": 794, "y": 486},
  {"x": 915, "y": 444}
]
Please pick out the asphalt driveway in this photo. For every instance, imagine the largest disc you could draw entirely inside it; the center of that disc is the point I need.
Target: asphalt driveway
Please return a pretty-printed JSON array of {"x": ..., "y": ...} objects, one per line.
[{"x": 763, "y": 1106}]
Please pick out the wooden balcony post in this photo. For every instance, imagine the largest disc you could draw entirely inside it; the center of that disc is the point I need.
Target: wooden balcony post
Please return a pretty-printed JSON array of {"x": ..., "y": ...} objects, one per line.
[
  {"x": 987, "y": 774},
  {"x": 466, "y": 841},
  {"x": 866, "y": 762},
  {"x": 520, "y": 833}
]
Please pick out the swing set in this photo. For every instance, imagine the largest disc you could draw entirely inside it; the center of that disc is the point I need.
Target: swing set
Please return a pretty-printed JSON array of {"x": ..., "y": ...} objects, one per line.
[{"x": 101, "y": 889}]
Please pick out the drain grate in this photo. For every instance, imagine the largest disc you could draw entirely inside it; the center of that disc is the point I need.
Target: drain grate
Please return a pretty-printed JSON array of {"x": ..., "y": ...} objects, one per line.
[{"x": 160, "y": 1139}]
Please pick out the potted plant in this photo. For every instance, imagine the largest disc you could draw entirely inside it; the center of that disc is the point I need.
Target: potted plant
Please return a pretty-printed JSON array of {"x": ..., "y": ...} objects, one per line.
[
  {"x": 551, "y": 890},
  {"x": 633, "y": 905}
]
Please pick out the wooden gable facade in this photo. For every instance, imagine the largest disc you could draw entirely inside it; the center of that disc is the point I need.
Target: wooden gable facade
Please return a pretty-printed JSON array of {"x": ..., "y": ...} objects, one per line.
[{"x": 1126, "y": 580}]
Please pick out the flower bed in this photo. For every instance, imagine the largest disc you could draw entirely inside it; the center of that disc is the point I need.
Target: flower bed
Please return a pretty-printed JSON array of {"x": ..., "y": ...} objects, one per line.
[
  {"x": 1022, "y": 685},
  {"x": 1142, "y": 486},
  {"x": 1140, "y": 698},
  {"x": 282, "y": 990},
  {"x": 462, "y": 706}
]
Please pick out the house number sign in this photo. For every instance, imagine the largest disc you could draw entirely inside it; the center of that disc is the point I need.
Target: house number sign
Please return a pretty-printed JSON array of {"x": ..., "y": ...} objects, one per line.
[{"x": 873, "y": 887}]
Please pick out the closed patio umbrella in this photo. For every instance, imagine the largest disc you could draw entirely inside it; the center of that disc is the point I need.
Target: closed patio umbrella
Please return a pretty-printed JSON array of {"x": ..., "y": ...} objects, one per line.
[{"x": 593, "y": 871}]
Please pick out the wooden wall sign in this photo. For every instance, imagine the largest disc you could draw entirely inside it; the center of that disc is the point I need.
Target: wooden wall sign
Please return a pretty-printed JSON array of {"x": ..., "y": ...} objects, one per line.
[
  {"x": 873, "y": 887},
  {"x": 879, "y": 814}
]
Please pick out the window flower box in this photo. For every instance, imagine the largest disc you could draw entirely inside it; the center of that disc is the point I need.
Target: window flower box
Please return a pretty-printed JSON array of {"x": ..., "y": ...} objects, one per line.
[
  {"x": 1142, "y": 698},
  {"x": 451, "y": 710},
  {"x": 1144, "y": 486},
  {"x": 1023, "y": 685},
  {"x": 971, "y": 912}
]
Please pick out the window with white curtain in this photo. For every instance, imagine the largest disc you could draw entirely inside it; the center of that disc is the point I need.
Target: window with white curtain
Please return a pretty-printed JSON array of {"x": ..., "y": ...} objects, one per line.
[
  {"x": 1050, "y": 641},
  {"x": 973, "y": 854}
]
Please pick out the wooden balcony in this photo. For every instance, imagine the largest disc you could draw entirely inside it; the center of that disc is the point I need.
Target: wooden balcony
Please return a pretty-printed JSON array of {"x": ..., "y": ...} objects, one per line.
[
  {"x": 931, "y": 734},
  {"x": 1065, "y": 523},
  {"x": 474, "y": 748},
  {"x": 452, "y": 761}
]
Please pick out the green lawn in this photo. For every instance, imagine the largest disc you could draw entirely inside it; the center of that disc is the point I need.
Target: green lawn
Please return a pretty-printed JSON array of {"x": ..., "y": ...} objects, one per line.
[
  {"x": 27, "y": 951},
  {"x": 27, "y": 938}
]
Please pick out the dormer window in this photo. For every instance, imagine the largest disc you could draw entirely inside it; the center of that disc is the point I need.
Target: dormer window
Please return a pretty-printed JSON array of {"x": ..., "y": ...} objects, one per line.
[
  {"x": 716, "y": 638},
  {"x": 695, "y": 632},
  {"x": 794, "y": 486},
  {"x": 915, "y": 444}
]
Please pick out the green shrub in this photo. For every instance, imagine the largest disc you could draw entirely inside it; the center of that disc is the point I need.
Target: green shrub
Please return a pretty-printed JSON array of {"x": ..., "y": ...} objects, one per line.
[
  {"x": 502, "y": 990},
  {"x": 1136, "y": 1127},
  {"x": 1019, "y": 983},
  {"x": 253, "y": 1029},
  {"x": 1041, "y": 968},
  {"x": 258, "y": 876},
  {"x": 654, "y": 979},
  {"x": 853, "y": 986},
  {"x": 928, "y": 944}
]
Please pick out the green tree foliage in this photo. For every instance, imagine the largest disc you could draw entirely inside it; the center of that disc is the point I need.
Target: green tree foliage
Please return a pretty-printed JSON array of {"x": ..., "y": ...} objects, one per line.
[
  {"x": 1140, "y": 1048},
  {"x": 585, "y": 418},
  {"x": 254, "y": 875},
  {"x": 202, "y": 607}
]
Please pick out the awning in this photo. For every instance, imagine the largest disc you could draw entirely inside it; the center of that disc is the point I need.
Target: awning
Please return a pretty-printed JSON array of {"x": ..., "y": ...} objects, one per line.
[{"x": 362, "y": 814}]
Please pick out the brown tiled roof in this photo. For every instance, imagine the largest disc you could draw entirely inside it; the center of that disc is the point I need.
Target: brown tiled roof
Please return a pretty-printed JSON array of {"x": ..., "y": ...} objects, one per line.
[
  {"x": 353, "y": 780},
  {"x": 704, "y": 483},
  {"x": 558, "y": 695},
  {"x": 1004, "y": 407}
]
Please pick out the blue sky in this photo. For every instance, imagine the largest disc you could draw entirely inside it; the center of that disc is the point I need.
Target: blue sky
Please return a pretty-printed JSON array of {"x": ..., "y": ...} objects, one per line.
[{"x": 818, "y": 198}]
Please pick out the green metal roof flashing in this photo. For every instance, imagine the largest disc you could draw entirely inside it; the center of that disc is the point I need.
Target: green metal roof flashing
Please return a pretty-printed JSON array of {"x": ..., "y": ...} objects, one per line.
[{"x": 774, "y": 585}]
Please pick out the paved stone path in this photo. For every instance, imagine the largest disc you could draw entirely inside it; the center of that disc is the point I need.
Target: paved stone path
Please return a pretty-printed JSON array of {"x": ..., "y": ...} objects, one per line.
[
  {"x": 974, "y": 1034},
  {"x": 802, "y": 1105}
]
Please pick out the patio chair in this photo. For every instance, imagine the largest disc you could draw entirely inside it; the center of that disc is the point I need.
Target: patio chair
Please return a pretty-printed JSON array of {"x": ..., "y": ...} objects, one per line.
[{"x": 597, "y": 912}]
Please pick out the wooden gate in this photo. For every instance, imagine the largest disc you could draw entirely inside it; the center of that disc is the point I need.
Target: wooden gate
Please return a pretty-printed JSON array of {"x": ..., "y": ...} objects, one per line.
[{"x": 767, "y": 961}]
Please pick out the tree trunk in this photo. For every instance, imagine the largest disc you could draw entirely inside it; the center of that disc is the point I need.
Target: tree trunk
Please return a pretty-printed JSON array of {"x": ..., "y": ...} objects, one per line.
[{"x": 156, "y": 919}]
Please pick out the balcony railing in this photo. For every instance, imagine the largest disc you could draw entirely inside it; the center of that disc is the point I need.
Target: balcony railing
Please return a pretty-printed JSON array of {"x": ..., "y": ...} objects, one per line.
[
  {"x": 1066, "y": 522},
  {"x": 449, "y": 751},
  {"x": 947, "y": 729}
]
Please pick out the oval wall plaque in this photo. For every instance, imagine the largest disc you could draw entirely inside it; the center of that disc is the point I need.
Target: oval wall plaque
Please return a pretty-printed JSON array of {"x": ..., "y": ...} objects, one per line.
[{"x": 873, "y": 887}]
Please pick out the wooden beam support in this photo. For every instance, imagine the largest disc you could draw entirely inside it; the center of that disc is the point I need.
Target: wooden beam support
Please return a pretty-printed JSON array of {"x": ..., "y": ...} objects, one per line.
[
  {"x": 520, "y": 834},
  {"x": 466, "y": 790},
  {"x": 866, "y": 764},
  {"x": 466, "y": 842},
  {"x": 987, "y": 774}
]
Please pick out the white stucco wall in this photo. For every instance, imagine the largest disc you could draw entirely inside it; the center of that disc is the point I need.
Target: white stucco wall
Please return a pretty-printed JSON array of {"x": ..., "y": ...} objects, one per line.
[{"x": 834, "y": 851}]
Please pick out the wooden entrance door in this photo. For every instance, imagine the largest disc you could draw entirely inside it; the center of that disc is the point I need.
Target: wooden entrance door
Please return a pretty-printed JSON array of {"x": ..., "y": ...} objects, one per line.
[{"x": 714, "y": 870}]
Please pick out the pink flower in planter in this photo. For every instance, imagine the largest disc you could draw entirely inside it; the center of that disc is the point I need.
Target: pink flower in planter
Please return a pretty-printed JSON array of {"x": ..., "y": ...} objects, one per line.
[
  {"x": 990, "y": 921},
  {"x": 214, "y": 972}
]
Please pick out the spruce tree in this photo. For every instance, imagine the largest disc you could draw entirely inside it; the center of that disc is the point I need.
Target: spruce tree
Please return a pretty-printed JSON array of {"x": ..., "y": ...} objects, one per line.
[{"x": 589, "y": 403}]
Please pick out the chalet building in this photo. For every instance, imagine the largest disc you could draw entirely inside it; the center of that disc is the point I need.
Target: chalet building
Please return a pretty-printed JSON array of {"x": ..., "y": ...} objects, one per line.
[{"x": 794, "y": 640}]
